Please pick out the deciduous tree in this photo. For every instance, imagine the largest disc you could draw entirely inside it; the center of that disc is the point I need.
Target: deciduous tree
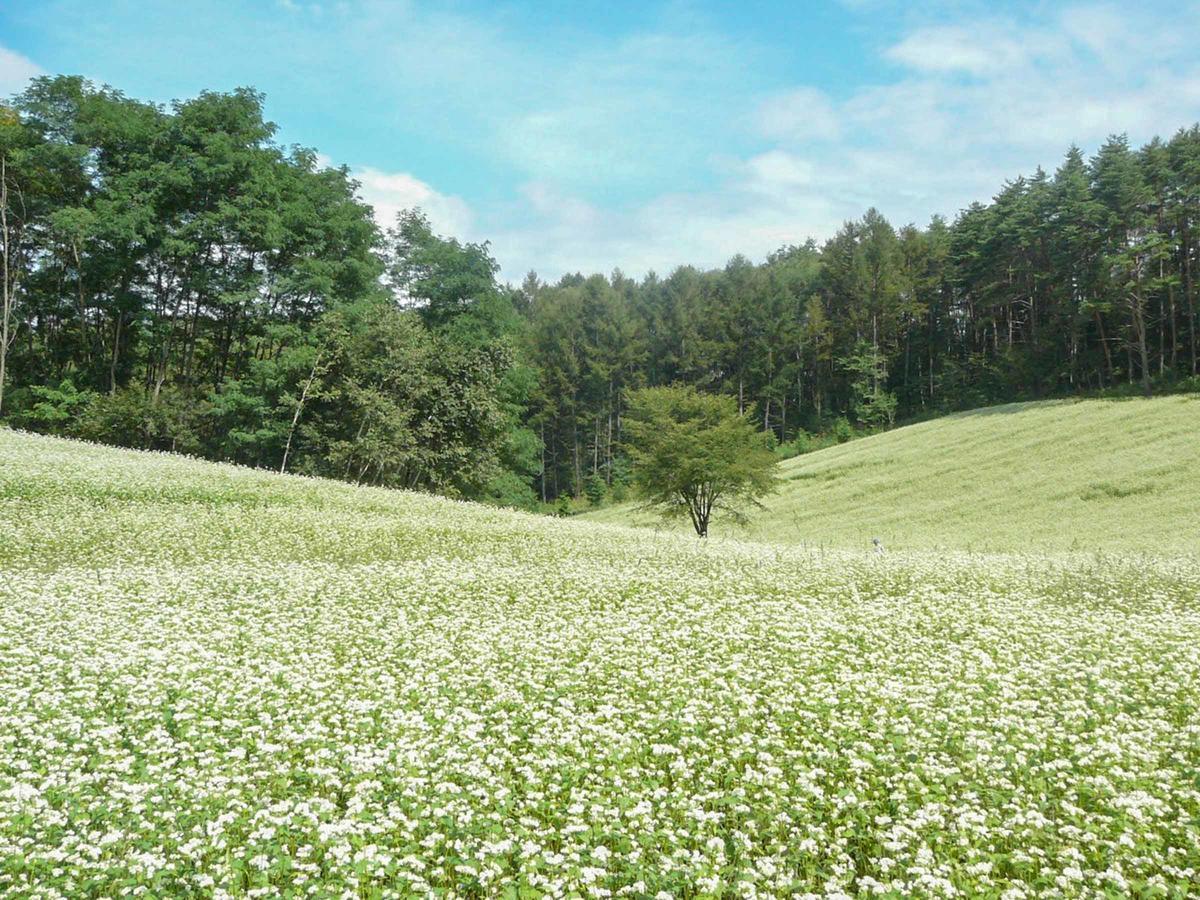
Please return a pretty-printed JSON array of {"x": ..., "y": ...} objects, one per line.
[{"x": 695, "y": 455}]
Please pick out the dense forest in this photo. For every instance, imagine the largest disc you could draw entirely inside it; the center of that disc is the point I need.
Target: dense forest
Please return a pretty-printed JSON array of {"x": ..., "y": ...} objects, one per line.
[{"x": 173, "y": 278}]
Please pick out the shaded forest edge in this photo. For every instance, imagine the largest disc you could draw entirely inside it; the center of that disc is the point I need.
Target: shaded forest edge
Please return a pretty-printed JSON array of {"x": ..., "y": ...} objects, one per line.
[{"x": 173, "y": 278}]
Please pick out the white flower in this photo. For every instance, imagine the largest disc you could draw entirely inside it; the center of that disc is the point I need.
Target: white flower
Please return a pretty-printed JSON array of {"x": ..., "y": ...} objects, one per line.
[{"x": 395, "y": 694}]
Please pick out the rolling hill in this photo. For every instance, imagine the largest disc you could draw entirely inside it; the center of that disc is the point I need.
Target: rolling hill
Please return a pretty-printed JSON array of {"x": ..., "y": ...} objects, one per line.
[
  {"x": 224, "y": 682},
  {"x": 1092, "y": 475}
]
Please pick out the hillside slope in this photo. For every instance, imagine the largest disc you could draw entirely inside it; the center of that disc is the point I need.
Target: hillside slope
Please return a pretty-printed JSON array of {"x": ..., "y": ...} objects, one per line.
[
  {"x": 222, "y": 682},
  {"x": 1112, "y": 476}
]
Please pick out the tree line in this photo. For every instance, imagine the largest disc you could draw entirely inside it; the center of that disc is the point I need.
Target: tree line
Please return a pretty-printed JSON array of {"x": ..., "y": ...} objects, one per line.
[
  {"x": 1083, "y": 281},
  {"x": 173, "y": 278}
]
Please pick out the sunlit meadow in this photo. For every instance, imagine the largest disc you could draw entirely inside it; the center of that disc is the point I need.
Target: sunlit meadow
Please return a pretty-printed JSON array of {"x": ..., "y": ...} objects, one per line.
[
  {"x": 216, "y": 681},
  {"x": 1117, "y": 476}
]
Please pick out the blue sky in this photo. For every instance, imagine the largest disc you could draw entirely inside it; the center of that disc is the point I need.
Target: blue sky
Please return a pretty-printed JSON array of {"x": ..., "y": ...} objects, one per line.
[{"x": 596, "y": 135}]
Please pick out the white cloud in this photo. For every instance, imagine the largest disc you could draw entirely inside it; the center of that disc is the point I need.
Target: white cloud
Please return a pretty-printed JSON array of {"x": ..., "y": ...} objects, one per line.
[
  {"x": 980, "y": 49},
  {"x": 799, "y": 114},
  {"x": 571, "y": 212},
  {"x": 779, "y": 169},
  {"x": 975, "y": 102},
  {"x": 770, "y": 201},
  {"x": 15, "y": 71},
  {"x": 389, "y": 193}
]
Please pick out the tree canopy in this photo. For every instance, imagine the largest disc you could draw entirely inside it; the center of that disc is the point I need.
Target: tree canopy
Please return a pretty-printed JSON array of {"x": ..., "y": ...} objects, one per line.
[
  {"x": 176, "y": 280},
  {"x": 695, "y": 454},
  {"x": 172, "y": 277}
]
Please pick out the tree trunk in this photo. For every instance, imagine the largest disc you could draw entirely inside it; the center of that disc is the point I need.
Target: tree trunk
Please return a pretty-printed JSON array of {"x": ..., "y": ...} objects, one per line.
[
  {"x": 1162, "y": 330},
  {"x": 165, "y": 360},
  {"x": 85, "y": 334},
  {"x": 907, "y": 359},
  {"x": 7, "y": 296},
  {"x": 1174, "y": 329},
  {"x": 1138, "y": 318},
  {"x": 576, "y": 487},
  {"x": 874, "y": 355},
  {"x": 112, "y": 363},
  {"x": 1189, "y": 300},
  {"x": 608, "y": 450},
  {"x": 1104, "y": 344},
  {"x": 287, "y": 448}
]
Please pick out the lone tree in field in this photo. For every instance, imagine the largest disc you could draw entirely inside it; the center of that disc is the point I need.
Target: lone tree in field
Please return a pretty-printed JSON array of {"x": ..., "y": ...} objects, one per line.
[{"x": 694, "y": 454}]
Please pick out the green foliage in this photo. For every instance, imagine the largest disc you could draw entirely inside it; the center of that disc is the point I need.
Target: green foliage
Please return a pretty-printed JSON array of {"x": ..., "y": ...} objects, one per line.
[
  {"x": 53, "y": 410},
  {"x": 693, "y": 454},
  {"x": 509, "y": 490},
  {"x": 131, "y": 417},
  {"x": 969, "y": 382},
  {"x": 181, "y": 250},
  {"x": 519, "y": 460},
  {"x": 799, "y": 445},
  {"x": 1093, "y": 477},
  {"x": 839, "y": 431},
  {"x": 217, "y": 293},
  {"x": 443, "y": 278},
  {"x": 246, "y": 419},
  {"x": 453, "y": 287},
  {"x": 595, "y": 489},
  {"x": 622, "y": 478},
  {"x": 401, "y": 406},
  {"x": 843, "y": 431},
  {"x": 874, "y": 406}
]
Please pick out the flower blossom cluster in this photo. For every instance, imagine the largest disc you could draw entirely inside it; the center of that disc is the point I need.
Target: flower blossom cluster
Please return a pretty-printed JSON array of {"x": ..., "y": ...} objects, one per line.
[{"x": 219, "y": 682}]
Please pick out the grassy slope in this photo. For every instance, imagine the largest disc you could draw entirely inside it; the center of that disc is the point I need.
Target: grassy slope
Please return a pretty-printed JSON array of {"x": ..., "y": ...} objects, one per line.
[
  {"x": 220, "y": 680},
  {"x": 1058, "y": 475}
]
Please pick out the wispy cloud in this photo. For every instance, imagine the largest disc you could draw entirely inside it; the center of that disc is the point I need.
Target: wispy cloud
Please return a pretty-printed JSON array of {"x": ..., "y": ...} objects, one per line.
[
  {"x": 391, "y": 192},
  {"x": 667, "y": 138},
  {"x": 973, "y": 103},
  {"x": 957, "y": 48},
  {"x": 800, "y": 114},
  {"x": 15, "y": 71}
]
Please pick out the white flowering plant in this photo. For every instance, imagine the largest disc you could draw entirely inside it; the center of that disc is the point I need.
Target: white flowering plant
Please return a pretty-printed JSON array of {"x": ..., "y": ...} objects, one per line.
[{"x": 220, "y": 682}]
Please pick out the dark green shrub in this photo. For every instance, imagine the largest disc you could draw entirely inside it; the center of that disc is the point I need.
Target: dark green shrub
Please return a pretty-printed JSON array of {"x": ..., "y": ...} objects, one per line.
[
  {"x": 799, "y": 445},
  {"x": 510, "y": 490},
  {"x": 842, "y": 430},
  {"x": 595, "y": 488},
  {"x": 132, "y": 417},
  {"x": 53, "y": 410}
]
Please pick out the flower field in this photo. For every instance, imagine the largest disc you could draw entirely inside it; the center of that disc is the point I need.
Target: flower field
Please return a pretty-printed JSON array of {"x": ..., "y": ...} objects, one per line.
[{"x": 222, "y": 682}]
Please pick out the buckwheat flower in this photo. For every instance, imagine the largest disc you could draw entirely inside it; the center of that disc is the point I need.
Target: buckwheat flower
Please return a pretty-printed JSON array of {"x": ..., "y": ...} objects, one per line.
[
  {"x": 22, "y": 793},
  {"x": 528, "y": 709}
]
